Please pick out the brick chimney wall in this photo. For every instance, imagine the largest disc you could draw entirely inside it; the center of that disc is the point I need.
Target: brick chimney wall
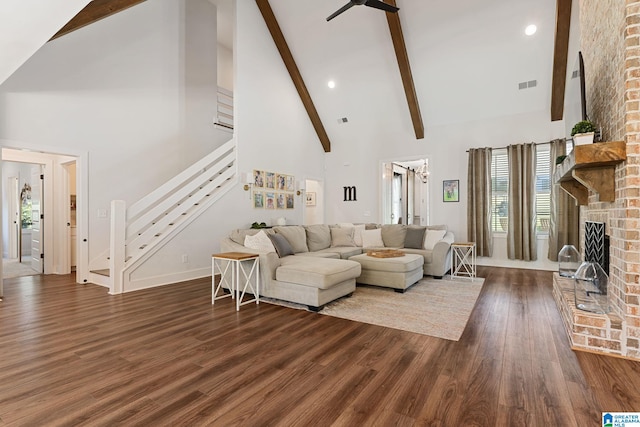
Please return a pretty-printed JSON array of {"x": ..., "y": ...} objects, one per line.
[{"x": 610, "y": 43}]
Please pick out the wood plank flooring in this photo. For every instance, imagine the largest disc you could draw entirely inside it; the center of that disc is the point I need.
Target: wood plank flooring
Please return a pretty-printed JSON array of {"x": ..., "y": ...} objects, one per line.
[{"x": 73, "y": 355}]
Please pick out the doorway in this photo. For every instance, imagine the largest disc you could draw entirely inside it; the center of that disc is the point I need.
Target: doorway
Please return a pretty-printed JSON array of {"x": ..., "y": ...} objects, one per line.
[
  {"x": 22, "y": 228},
  {"x": 56, "y": 201},
  {"x": 405, "y": 192},
  {"x": 313, "y": 202}
]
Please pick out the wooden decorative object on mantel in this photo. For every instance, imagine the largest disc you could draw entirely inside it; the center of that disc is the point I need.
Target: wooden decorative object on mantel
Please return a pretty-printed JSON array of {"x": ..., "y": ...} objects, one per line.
[
  {"x": 385, "y": 253},
  {"x": 591, "y": 167}
]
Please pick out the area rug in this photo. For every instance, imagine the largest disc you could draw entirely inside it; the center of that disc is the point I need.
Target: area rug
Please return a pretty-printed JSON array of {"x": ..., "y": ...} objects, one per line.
[{"x": 438, "y": 308}]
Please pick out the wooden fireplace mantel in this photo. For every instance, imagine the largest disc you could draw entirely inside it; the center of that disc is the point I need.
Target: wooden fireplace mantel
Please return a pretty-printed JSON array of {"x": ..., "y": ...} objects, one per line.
[{"x": 591, "y": 167}]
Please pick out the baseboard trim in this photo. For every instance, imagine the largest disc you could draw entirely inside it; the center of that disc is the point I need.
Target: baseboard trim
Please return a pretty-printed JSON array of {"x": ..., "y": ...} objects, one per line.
[{"x": 167, "y": 279}]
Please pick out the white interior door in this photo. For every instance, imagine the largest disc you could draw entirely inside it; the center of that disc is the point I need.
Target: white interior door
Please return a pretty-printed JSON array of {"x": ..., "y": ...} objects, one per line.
[
  {"x": 15, "y": 225},
  {"x": 36, "y": 218}
]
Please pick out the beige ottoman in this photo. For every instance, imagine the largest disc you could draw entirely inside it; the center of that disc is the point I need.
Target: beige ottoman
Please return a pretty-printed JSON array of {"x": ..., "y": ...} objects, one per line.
[{"x": 398, "y": 273}]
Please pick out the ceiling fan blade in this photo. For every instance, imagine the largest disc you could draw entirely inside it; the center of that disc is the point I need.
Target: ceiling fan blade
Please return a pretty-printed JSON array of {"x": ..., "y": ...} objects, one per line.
[
  {"x": 381, "y": 5},
  {"x": 339, "y": 11}
]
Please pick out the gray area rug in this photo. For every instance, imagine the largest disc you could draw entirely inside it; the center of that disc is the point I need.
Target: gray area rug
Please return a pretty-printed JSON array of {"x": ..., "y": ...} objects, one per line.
[{"x": 438, "y": 308}]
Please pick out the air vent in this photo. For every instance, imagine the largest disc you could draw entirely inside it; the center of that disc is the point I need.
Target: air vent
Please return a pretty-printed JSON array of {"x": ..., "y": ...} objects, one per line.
[
  {"x": 342, "y": 120},
  {"x": 526, "y": 85}
]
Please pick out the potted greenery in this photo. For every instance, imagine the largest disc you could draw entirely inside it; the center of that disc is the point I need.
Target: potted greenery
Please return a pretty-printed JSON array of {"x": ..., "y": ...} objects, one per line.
[{"x": 583, "y": 132}]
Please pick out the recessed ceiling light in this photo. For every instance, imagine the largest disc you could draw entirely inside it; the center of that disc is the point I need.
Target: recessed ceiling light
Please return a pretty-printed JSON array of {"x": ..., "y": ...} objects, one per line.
[
  {"x": 530, "y": 30},
  {"x": 331, "y": 84}
]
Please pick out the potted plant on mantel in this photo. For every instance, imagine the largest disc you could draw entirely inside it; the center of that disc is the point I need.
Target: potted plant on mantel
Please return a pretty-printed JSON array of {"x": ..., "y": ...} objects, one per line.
[{"x": 583, "y": 132}]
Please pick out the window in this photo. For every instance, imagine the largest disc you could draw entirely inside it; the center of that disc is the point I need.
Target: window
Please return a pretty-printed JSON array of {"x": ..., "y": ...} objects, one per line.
[{"x": 500, "y": 189}]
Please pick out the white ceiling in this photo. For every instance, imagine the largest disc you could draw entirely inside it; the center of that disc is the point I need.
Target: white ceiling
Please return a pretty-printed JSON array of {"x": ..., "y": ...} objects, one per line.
[{"x": 467, "y": 56}]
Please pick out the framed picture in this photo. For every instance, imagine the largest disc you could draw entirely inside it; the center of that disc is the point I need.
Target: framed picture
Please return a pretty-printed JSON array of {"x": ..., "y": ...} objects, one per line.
[
  {"x": 270, "y": 200},
  {"x": 280, "y": 201},
  {"x": 311, "y": 198},
  {"x": 451, "y": 190},
  {"x": 258, "y": 199},
  {"x": 291, "y": 183},
  {"x": 270, "y": 180},
  {"x": 258, "y": 178},
  {"x": 281, "y": 182},
  {"x": 289, "y": 201}
]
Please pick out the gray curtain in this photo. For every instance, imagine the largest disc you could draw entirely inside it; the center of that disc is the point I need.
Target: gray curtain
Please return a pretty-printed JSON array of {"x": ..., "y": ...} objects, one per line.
[
  {"x": 564, "y": 224},
  {"x": 521, "y": 232},
  {"x": 479, "y": 200}
]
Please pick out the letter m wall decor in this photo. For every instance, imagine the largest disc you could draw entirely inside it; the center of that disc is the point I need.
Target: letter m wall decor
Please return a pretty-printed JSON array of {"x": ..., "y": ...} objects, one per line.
[{"x": 350, "y": 193}]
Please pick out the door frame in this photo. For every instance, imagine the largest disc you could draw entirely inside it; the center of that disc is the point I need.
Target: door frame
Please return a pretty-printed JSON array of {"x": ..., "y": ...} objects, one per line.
[{"x": 56, "y": 203}]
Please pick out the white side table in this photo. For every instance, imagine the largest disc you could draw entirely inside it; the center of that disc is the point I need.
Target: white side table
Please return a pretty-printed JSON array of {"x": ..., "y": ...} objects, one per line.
[
  {"x": 236, "y": 271},
  {"x": 463, "y": 260}
]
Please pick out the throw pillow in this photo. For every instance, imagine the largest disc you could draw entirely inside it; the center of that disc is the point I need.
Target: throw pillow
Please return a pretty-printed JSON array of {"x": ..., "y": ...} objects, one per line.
[
  {"x": 372, "y": 238},
  {"x": 414, "y": 238},
  {"x": 342, "y": 237},
  {"x": 260, "y": 242},
  {"x": 281, "y": 244},
  {"x": 431, "y": 237},
  {"x": 357, "y": 234},
  {"x": 296, "y": 236}
]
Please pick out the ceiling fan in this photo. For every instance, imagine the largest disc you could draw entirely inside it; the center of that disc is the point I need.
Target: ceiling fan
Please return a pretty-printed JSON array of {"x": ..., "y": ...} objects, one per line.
[{"x": 371, "y": 3}]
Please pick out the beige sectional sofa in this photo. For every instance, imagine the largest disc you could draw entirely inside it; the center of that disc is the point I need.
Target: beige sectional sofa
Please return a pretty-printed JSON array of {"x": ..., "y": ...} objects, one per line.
[{"x": 312, "y": 267}]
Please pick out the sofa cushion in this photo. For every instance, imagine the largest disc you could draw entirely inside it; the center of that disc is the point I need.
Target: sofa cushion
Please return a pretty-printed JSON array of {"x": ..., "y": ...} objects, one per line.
[
  {"x": 296, "y": 235},
  {"x": 357, "y": 231},
  {"x": 318, "y": 237},
  {"x": 415, "y": 237},
  {"x": 427, "y": 255},
  {"x": 342, "y": 237},
  {"x": 393, "y": 235},
  {"x": 344, "y": 252},
  {"x": 401, "y": 264},
  {"x": 324, "y": 253},
  {"x": 320, "y": 273},
  {"x": 259, "y": 241},
  {"x": 372, "y": 238},
  {"x": 281, "y": 244},
  {"x": 437, "y": 227},
  {"x": 431, "y": 237}
]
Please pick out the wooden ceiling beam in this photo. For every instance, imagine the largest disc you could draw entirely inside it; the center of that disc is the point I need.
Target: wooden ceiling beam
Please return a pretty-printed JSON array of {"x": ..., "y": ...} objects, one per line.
[
  {"x": 294, "y": 72},
  {"x": 560, "y": 52},
  {"x": 397, "y": 37},
  {"x": 95, "y": 11}
]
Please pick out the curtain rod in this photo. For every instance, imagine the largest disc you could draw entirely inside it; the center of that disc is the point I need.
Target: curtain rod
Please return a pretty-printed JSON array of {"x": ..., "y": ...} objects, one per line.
[{"x": 504, "y": 148}]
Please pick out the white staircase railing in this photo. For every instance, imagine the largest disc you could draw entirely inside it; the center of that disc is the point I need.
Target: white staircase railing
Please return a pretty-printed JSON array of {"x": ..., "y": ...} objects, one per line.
[{"x": 146, "y": 226}]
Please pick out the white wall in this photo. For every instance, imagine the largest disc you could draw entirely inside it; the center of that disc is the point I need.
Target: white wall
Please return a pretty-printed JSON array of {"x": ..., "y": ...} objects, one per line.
[{"x": 121, "y": 89}]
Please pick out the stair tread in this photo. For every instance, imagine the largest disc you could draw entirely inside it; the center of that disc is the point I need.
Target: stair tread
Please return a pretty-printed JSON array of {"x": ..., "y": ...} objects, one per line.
[{"x": 104, "y": 272}]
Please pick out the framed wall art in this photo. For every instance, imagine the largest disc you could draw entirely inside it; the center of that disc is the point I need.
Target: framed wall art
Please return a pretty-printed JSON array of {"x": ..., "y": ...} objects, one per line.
[
  {"x": 311, "y": 198},
  {"x": 451, "y": 190}
]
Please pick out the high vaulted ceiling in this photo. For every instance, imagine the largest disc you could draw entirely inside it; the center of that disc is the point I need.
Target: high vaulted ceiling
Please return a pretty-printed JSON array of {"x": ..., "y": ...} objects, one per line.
[{"x": 467, "y": 57}]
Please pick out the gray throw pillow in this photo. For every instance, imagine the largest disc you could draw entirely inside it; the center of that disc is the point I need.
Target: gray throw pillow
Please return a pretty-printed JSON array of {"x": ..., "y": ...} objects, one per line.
[
  {"x": 414, "y": 238},
  {"x": 282, "y": 245}
]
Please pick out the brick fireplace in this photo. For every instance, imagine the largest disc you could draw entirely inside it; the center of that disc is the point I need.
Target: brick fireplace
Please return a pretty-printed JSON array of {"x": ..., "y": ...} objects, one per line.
[{"x": 610, "y": 43}]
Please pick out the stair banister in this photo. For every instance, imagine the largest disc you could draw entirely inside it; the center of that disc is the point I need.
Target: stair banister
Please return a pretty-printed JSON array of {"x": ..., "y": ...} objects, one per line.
[{"x": 158, "y": 194}]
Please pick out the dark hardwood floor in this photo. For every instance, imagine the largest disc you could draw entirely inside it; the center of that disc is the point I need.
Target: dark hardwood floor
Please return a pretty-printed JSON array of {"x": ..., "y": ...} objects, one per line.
[{"x": 73, "y": 355}]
